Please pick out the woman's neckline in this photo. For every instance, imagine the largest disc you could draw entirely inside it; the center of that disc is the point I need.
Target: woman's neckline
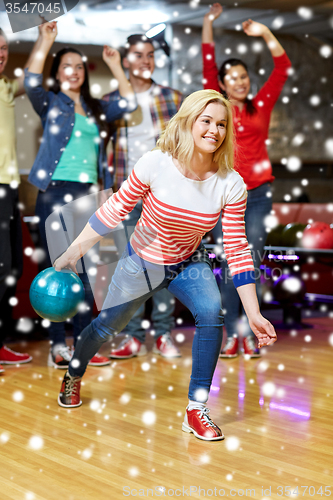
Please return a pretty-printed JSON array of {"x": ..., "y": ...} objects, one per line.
[{"x": 188, "y": 178}]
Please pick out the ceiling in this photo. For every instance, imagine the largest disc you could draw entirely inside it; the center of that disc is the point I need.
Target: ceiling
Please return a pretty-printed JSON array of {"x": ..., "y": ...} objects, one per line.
[{"x": 98, "y": 21}]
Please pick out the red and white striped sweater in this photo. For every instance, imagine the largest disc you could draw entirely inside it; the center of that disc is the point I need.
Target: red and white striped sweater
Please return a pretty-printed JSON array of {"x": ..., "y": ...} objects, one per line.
[{"x": 177, "y": 212}]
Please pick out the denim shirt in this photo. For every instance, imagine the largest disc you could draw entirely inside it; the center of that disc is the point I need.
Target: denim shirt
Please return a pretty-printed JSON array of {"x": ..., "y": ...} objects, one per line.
[{"x": 57, "y": 113}]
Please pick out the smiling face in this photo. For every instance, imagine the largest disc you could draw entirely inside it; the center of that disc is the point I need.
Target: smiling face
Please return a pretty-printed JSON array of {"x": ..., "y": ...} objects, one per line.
[
  {"x": 210, "y": 128},
  {"x": 3, "y": 53},
  {"x": 236, "y": 83},
  {"x": 140, "y": 60},
  {"x": 71, "y": 72}
]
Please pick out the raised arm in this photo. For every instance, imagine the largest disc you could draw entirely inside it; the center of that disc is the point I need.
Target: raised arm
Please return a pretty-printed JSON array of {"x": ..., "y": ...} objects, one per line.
[
  {"x": 34, "y": 51},
  {"x": 270, "y": 91},
  {"x": 48, "y": 33},
  {"x": 207, "y": 28},
  {"x": 112, "y": 59},
  {"x": 252, "y": 28},
  {"x": 33, "y": 78},
  {"x": 210, "y": 72}
]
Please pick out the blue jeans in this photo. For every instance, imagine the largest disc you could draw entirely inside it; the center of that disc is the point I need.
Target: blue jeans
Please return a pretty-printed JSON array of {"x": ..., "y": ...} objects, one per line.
[
  {"x": 46, "y": 202},
  {"x": 163, "y": 301},
  {"x": 259, "y": 205},
  {"x": 134, "y": 281}
]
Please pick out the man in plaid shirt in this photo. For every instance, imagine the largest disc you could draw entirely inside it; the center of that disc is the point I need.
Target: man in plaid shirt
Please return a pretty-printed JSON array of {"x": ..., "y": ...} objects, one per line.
[{"x": 132, "y": 136}]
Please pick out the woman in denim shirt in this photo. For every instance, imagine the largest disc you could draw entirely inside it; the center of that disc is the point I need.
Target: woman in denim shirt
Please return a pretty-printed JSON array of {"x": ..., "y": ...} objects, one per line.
[{"x": 71, "y": 158}]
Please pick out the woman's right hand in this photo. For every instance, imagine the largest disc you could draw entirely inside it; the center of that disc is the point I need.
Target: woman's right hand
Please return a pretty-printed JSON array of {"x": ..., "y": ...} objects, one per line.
[
  {"x": 111, "y": 56},
  {"x": 48, "y": 31},
  {"x": 214, "y": 12},
  {"x": 65, "y": 261}
]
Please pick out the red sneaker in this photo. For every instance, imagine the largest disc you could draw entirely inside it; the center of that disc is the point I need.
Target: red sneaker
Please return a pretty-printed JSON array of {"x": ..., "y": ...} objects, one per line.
[
  {"x": 128, "y": 348},
  {"x": 230, "y": 350},
  {"x": 9, "y": 357},
  {"x": 202, "y": 426},
  {"x": 69, "y": 396},
  {"x": 250, "y": 348},
  {"x": 2, "y": 369},
  {"x": 166, "y": 347},
  {"x": 99, "y": 360}
]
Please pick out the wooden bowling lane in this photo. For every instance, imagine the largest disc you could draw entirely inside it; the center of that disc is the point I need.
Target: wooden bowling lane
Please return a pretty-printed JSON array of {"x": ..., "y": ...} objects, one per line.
[{"x": 126, "y": 439}]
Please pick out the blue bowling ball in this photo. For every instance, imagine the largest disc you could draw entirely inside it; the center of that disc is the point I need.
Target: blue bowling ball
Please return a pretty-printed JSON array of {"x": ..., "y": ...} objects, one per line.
[{"x": 56, "y": 295}]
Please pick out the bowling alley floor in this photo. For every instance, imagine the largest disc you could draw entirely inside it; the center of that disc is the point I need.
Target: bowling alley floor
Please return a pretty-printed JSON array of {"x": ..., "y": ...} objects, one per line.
[{"x": 126, "y": 440}]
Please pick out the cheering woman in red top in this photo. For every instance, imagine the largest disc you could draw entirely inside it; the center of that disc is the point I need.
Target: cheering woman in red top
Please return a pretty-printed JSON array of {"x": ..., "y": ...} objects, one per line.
[{"x": 251, "y": 122}]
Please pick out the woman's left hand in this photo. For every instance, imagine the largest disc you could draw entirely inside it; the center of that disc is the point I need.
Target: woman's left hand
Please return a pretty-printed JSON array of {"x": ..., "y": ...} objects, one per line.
[
  {"x": 263, "y": 330},
  {"x": 252, "y": 28},
  {"x": 111, "y": 56}
]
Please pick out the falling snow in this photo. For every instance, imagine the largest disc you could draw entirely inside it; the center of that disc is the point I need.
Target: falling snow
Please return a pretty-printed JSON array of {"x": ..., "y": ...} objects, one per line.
[
  {"x": 149, "y": 417},
  {"x": 232, "y": 443},
  {"x": 36, "y": 443}
]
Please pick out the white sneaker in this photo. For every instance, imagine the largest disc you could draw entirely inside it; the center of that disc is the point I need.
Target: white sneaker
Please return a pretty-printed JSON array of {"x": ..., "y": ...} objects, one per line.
[{"x": 60, "y": 357}]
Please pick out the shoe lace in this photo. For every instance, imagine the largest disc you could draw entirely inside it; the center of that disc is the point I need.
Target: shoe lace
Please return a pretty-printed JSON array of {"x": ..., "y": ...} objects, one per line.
[
  {"x": 203, "y": 414},
  {"x": 72, "y": 385}
]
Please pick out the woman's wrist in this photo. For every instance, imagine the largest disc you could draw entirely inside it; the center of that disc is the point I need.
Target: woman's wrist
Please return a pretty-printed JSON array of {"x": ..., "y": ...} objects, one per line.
[
  {"x": 273, "y": 44},
  {"x": 253, "y": 315},
  {"x": 208, "y": 19},
  {"x": 46, "y": 42},
  {"x": 43, "y": 49},
  {"x": 267, "y": 35},
  {"x": 72, "y": 254},
  {"x": 116, "y": 69}
]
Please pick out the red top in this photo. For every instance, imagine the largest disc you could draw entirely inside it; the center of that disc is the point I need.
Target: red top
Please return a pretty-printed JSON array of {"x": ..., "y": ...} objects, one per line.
[{"x": 251, "y": 131}]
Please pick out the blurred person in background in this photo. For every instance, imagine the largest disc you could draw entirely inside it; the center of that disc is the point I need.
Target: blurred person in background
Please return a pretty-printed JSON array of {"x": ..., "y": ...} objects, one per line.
[
  {"x": 133, "y": 136},
  {"x": 251, "y": 122},
  {"x": 11, "y": 257},
  {"x": 71, "y": 158}
]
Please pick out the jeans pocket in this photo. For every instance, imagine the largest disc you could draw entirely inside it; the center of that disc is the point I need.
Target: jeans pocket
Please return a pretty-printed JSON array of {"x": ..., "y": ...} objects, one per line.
[{"x": 131, "y": 268}]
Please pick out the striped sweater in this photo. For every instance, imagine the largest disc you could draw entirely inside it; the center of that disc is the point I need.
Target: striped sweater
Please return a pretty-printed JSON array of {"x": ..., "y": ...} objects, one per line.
[{"x": 177, "y": 212}]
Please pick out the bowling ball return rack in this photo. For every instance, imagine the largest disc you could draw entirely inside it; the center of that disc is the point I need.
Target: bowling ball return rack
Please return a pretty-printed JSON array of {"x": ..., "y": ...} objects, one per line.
[{"x": 288, "y": 257}]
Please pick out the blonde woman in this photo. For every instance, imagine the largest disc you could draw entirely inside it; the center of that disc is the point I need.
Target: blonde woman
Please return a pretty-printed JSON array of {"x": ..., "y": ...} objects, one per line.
[{"x": 185, "y": 183}]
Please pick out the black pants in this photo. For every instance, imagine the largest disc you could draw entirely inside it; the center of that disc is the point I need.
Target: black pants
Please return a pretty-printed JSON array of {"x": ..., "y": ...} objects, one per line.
[{"x": 11, "y": 256}]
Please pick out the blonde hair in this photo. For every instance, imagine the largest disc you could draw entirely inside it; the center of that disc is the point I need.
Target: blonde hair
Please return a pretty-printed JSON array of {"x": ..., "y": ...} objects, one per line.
[{"x": 177, "y": 139}]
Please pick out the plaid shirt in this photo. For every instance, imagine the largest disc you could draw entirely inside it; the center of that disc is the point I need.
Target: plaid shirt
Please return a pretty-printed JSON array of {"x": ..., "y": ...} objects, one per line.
[{"x": 164, "y": 103}]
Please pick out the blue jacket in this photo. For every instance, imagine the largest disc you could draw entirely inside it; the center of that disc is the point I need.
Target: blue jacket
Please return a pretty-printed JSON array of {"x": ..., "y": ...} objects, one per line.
[{"x": 58, "y": 116}]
